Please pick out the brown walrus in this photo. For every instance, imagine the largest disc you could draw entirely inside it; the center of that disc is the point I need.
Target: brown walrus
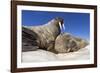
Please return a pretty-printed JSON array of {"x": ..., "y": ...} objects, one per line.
[
  {"x": 49, "y": 37},
  {"x": 47, "y": 33},
  {"x": 65, "y": 43}
]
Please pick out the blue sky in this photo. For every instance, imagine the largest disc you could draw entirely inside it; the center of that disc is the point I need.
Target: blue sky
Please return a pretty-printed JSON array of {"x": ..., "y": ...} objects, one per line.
[{"x": 77, "y": 24}]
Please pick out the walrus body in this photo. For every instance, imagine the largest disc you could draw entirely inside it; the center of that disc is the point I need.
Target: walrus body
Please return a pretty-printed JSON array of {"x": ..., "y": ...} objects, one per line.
[
  {"x": 65, "y": 43},
  {"x": 47, "y": 33},
  {"x": 29, "y": 40}
]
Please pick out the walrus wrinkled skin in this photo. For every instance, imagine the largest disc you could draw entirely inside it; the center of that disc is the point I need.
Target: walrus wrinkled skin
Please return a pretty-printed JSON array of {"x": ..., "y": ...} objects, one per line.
[
  {"x": 47, "y": 33},
  {"x": 65, "y": 43},
  {"x": 29, "y": 40}
]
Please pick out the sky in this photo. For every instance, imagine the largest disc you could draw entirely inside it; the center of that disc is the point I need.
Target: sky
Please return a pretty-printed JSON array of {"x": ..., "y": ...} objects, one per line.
[{"x": 78, "y": 24}]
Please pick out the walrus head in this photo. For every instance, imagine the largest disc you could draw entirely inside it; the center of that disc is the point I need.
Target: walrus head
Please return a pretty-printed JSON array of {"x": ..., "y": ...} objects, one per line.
[{"x": 58, "y": 22}]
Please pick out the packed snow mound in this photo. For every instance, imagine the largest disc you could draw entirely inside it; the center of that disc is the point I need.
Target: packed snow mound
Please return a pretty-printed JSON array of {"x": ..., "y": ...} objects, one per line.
[{"x": 44, "y": 56}]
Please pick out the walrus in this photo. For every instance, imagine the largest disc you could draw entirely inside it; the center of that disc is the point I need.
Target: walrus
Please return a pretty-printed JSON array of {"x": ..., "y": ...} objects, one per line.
[
  {"x": 66, "y": 42},
  {"x": 47, "y": 33}
]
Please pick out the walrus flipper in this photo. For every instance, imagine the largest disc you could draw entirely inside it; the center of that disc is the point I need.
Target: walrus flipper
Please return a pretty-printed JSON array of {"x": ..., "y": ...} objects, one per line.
[{"x": 29, "y": 38}]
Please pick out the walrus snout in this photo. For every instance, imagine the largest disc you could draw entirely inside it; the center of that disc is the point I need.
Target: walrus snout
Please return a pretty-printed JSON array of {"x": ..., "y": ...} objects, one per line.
[
  {"x": 60, "y": 23},
  {"x": 59, "y": 20}
]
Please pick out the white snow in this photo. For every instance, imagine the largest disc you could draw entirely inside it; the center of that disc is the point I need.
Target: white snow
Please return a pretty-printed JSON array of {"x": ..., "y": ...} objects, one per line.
[{"x": 44, "y": 56}]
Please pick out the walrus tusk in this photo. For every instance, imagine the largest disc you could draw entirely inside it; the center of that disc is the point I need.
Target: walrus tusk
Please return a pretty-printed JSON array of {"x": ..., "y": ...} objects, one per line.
[
  {"x": 63, "y": 26},
  {"x": 60, "y": 25}
]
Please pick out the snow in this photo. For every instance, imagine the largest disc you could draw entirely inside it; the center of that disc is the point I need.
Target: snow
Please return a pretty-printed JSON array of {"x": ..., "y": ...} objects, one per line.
[{"x": 44, "y": 56}]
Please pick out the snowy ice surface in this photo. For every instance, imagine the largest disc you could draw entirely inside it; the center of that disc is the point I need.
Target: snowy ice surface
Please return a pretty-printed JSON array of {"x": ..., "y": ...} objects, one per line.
[{"x": 44, "y": 56}]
